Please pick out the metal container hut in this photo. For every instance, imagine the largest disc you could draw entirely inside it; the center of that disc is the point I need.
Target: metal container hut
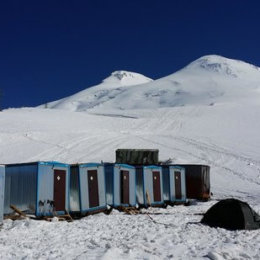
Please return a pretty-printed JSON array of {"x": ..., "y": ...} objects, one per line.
[
  {"x": 39, "y": 188},
  {"x": 197, "y": 181},
  {"x": 149, "y": 186},
  {"x": 2, "y": 190},
  {"x": 174, "y": 184},
  {"x": 87, "y": 188},
  {"x": 120, "y": 185},
  {"x": 137, "y": 156}
]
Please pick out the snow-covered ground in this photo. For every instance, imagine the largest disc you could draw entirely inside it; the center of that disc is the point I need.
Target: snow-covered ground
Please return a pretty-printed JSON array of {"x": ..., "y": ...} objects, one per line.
[{"x": 206, "y": 113}]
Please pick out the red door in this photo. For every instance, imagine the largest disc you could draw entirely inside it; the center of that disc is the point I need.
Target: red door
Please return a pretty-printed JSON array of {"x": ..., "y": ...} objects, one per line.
[
  {"x": 124, "y": 187},
  {"x": 59, "y": 190},
  {"x": 156, "y": 186},
  {"x": 177, "y": 178},
  {"x": 93, "y": 188}
]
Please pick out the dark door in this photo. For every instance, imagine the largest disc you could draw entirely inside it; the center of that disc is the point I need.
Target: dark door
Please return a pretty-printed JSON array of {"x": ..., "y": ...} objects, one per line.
[
  {"x": 156, "y": 186},
  {"x": 124, "y": 187},
  {"x": 177, "y": 177},
  {"x": 59, "y": 190},
  {"x": 93, "y": 188}
]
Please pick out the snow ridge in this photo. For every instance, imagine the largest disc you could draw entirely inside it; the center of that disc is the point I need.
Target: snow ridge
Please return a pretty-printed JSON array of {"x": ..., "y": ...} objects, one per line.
[{"x": 209, "y": 80}]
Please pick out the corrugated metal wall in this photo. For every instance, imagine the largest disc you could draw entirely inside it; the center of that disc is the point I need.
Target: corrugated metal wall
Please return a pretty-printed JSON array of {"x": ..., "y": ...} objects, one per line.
[
  {"x": 74, "y": 189},
  {"x": 109, "y": 169},
  {"x": 2, "y": 190},
  {"x": 20, "y": 188},
  {"x": 166, "y": 183},
  {"x": 139, "y": 185}
]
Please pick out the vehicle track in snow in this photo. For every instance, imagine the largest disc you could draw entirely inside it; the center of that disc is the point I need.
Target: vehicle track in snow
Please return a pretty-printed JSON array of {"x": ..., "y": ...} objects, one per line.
[
  {"x": 203, "y": 159},
  {"x": 217, "y": 149}
]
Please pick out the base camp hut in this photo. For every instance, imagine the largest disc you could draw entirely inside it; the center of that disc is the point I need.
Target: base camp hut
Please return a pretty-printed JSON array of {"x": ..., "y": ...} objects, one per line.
[
  {"x": 174, "y": 185},
  {"x": 87, "y": 188},
  {"x": 149, "y": 186},
  {"x": 39, "y": 188},
  {"x": 2, "y": 190},
  {"x": 197, "y": 181},
  {"x": 120, "y": 185}
]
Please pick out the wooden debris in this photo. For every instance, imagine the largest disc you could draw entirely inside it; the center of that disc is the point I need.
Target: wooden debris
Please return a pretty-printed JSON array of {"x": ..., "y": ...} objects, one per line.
[
  {"x": 66, "y": 217},
  {"x": 148, "y": 198},
  {"x": 129, "y": 210},
  {"x": 16, "y": 215},
  {"x": 18, "y": 211}
]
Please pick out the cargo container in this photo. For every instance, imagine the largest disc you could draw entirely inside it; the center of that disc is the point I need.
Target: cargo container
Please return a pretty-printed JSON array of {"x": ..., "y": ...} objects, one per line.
[
  {"x": 174, "y": 184},
  {"x": 137, "y": 156},
  {"x": 149, "y": 186},
  {"x": 120, "y": 185},
  {"x": 197, "y": 181},
  {"x": 87, "y": 188},
  {"x": 38, "y": 188}
]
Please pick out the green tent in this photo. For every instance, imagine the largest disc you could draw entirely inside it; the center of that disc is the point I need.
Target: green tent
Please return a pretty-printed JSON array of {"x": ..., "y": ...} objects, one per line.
[{"x": 231, "y": 214}]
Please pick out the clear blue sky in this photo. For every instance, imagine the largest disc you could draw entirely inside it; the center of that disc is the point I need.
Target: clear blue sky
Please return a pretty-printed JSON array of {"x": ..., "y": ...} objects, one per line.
[{"x": 51, "y": 49}]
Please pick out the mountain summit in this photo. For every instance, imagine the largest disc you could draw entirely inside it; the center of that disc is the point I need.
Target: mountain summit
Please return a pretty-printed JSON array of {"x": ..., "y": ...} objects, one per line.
[
  {"x": 222, "y": 65},
  {"x": 126, "y": 78},
  {"x": 208, "y": 80}
]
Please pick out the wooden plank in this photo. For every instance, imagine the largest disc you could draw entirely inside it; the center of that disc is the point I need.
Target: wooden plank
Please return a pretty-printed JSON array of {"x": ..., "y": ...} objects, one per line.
[{"x": 17, "y": 210}]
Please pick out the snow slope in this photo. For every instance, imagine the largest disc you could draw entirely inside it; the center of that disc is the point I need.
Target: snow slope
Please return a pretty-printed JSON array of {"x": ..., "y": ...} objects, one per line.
[
  {"x": 110, "y": 87},
  {"x": 221, "y": 130},
  {"x": 209, "y": 80}
]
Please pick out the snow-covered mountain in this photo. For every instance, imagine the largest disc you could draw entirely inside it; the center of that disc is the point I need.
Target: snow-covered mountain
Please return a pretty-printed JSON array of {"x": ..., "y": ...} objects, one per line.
[
  {"x": 117, "y": 83},
  {"x": 206, "y": 81},
  {"x": 206, "y": 113}
]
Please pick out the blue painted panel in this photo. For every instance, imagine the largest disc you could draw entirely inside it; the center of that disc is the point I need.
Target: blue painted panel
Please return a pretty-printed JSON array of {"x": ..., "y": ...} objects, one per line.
[
  {"x": 172, "y": 169},
  {"x": 125, "y": 166},
  {"x": 117, "y": 184},
  {"x": 101, "y": 186},
  {"x": 2, "y": 191},
  {"x": 166, "y": 183},
  {"x": 84, "y": 189},
  {"x": 54, "y": 164},
  {"x": 140, "y": 198},
  {"x": 109, "y": 178},
  {"x": 74, "y": 189},
  {"x": 20, "y": 187},
  {"x": 148, "y": 185},
  {"x": 45, "y": 190},
  {"x": 89, "y": 165}
]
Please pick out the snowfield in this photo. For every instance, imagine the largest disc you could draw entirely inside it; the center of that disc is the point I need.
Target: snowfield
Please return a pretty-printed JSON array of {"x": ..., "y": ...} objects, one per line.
[{"x": 207, "y": 113}]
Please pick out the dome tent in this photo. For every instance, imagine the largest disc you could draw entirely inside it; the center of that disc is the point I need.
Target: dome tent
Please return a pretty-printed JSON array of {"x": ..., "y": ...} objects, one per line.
[{"x": 231, "y": 214}]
